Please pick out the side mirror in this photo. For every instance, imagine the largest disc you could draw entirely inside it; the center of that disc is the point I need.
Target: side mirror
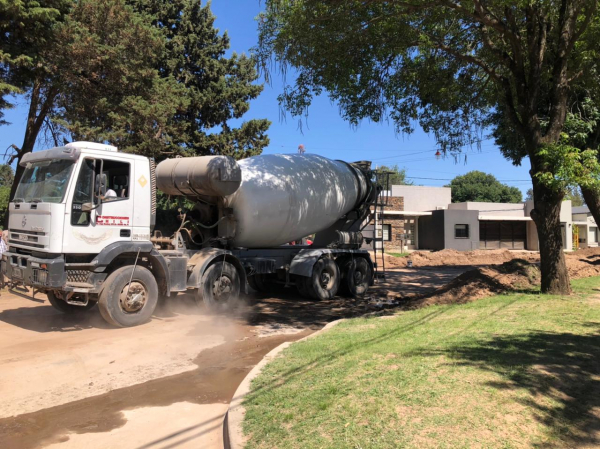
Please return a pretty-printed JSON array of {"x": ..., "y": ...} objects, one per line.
[{"x": 87, "y": 207}]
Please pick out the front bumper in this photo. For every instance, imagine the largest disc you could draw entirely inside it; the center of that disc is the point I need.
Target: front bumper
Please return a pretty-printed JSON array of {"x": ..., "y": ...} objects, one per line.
[{"x": 34, "y": 271}]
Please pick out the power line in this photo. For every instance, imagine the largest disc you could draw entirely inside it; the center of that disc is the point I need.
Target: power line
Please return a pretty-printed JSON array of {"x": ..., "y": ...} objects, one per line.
[{"x": 450, "y": 179}]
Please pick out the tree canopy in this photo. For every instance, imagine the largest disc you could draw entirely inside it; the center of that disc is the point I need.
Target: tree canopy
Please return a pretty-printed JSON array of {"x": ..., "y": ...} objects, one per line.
[
  {"x": 6, "y": 180},
  {"x": 149, "y": 76},
  {"x": 479, "y": 186},
  {"x": 397, "y": 175},
  {"x": 27, "y": 28},
  {"x": 457, "y": 69}
]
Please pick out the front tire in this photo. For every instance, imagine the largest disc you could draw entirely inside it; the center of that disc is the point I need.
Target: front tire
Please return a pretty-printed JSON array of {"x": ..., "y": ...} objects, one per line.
[
  {"x": 126, "y": 307},
  {"x": 65, "y": 307},
  {"x": 220, "y": 286}
]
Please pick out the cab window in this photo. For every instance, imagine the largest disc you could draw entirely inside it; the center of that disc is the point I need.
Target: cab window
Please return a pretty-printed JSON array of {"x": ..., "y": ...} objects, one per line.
[
  {"x": 113, "y": 185},
  {"x": 83, "y": 192},
  {"x": 111, "y": 181}
]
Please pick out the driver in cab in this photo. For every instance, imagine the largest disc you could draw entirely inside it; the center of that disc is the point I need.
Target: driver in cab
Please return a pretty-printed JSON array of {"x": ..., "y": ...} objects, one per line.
[{"x": 109, "y": 194}]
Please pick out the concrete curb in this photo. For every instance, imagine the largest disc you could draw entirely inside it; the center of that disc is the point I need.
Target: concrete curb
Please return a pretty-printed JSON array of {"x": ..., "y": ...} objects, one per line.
[{"x": 233, "y": 436}]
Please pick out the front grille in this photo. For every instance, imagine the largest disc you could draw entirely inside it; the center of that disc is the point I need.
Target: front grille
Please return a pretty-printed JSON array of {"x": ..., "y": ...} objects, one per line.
[
  {"x": 39, "y": 276},
  {"x": 22, "y": 231},
  {"x": 26, "y": 238},
  {"x": 77, "y": 275}
]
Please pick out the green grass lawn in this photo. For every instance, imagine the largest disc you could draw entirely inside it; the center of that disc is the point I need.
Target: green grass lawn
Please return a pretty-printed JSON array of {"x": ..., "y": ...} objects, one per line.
[
  {"x": 508, "y": 371},
  {"x": 399, "y": 254}
]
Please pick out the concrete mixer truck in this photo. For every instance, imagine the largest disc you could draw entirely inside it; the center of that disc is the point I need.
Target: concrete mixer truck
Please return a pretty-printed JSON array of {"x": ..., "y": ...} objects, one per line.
[{"x": 82, "y": 219}]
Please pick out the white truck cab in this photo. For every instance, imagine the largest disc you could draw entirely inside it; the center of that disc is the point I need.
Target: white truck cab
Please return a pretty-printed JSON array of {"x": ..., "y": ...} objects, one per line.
[
  {"x": 61, "y": 205},
  {"x": 79, "y": 213}
]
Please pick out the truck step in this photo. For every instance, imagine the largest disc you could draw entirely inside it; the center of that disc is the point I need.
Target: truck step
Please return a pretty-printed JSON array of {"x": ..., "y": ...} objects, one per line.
[{"x": 76, "y": 286}]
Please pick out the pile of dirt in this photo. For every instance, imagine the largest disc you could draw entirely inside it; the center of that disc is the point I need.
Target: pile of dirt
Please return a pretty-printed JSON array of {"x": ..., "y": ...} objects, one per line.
[
  {"x": 504, "y": 271},
  {"x": 457, "y": 258},
  {"x": 584, "y": 263},
  {"x": 515, "y": 275}
]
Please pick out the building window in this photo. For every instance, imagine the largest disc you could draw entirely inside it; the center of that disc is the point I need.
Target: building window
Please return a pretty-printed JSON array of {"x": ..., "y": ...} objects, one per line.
[
  {"x": 386, "y": 230},
  {"x": 461, "y": 231}
]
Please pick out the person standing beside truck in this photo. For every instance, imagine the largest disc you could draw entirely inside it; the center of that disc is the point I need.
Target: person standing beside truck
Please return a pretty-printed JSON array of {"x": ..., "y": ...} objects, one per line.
[{"x": 3, "y": 249}]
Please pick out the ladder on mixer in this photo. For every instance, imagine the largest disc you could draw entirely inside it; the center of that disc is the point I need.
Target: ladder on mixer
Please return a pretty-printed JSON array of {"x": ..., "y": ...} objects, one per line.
[{"x": 382, "y": 179}]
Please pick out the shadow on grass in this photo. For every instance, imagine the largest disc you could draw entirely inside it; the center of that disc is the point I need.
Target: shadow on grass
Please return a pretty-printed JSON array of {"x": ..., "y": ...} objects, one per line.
[{"x": 560, "y": 370}]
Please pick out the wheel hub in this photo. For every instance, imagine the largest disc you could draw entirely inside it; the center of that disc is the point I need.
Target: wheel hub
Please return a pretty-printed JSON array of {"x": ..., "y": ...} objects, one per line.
[
  {"x": 133, "y": 297},
  {"x": 222, "y": 288},
  {"x": 325, "y": 279},
  {"x": 358, "y": 278}
]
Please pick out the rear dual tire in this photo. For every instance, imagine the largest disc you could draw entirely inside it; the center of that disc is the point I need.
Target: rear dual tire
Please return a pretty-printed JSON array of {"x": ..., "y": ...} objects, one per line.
[
  {"x": 352, "y": 277},
  {"x": 323, "y": 283},
  {"x": 356, "y": 277}
]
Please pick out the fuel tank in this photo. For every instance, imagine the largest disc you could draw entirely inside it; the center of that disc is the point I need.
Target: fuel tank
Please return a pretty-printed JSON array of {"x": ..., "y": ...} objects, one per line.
[
  {"x": 213, "y": 176},
  {"x": 283, "y": 198}
]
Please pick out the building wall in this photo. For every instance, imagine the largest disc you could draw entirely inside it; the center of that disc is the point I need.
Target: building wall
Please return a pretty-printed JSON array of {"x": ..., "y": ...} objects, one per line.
[
  {"x": 397, "y": 230},
  {"x": 431, "y": 231},
  {"x": 423, "y": 198},
  {"x": 396, "y": 224},
  {"x": 395, "y": 203},
  {"x": 468, "y": 217},
  {"x": 507, "y": 209}
]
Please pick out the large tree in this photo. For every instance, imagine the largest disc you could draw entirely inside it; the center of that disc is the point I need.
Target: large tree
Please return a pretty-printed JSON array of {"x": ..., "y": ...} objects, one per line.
[
  {"x": 94, "y": 61},
  {"x": 449, "y": 66},
  {"x": 479, "y": 186},
  {"x": 27, "y": 28},
  {"x": 217, "y": 89}
]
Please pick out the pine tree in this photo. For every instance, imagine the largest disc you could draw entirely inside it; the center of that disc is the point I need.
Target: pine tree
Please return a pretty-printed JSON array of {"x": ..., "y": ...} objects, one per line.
[
  {"x": 217, "y": 89},
  {"x": 113, "y": 90}
]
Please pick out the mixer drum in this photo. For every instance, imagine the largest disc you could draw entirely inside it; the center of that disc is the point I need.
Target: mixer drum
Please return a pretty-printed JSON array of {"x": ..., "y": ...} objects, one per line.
[{"x": 283, "y": 198}]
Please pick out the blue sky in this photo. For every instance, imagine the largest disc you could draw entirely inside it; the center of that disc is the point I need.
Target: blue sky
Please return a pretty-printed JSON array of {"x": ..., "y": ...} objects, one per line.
[{"x": 324, "y": 132}]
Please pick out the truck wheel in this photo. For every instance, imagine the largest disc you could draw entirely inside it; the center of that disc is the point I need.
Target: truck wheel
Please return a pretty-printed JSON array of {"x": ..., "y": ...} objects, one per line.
[
  {"x": 356, "y": 277},
  {"x": 220, "y": 286},
  {"x": 302, "y": 286},
  {"x": 325, "y": 280},
  {"x": 259, "y": 283},
  {"x": 125, "y": 308},
  {"x": 64, "y": 307}
]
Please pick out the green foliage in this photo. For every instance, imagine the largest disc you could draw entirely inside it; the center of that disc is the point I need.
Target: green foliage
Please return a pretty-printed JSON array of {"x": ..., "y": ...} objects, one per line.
[
  {"x": 27, "y": 28},
  {"x": 121, "y": 98},
  {"x": 397, "y": 175},
  {"x": 6, "y": 180},
  {"x": 479, "y": 186},
  {"x": 565, "y": 165},
  {"x": 214, "y": 89},
  {"x": 168, "y": 209},
  {"x": 455, "y": 68}
]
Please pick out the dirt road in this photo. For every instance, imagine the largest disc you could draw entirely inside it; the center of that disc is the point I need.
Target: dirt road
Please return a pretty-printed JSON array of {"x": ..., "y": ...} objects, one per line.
[{"x": 73, "y": 381}]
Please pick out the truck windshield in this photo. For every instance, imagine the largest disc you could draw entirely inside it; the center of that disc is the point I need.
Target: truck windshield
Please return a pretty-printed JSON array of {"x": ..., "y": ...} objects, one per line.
[{"x": 44, "y": 181}]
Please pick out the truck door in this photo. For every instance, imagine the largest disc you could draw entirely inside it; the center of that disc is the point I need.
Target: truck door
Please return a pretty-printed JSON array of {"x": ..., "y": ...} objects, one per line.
[{"x": 106, "y": 183}]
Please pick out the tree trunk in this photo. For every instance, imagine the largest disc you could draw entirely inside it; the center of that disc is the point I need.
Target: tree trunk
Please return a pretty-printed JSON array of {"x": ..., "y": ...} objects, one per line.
[
  {"x": 546, "y": 215},
  {"x": 39, "y": 107},
  {"x": 592, "y": 201}
]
